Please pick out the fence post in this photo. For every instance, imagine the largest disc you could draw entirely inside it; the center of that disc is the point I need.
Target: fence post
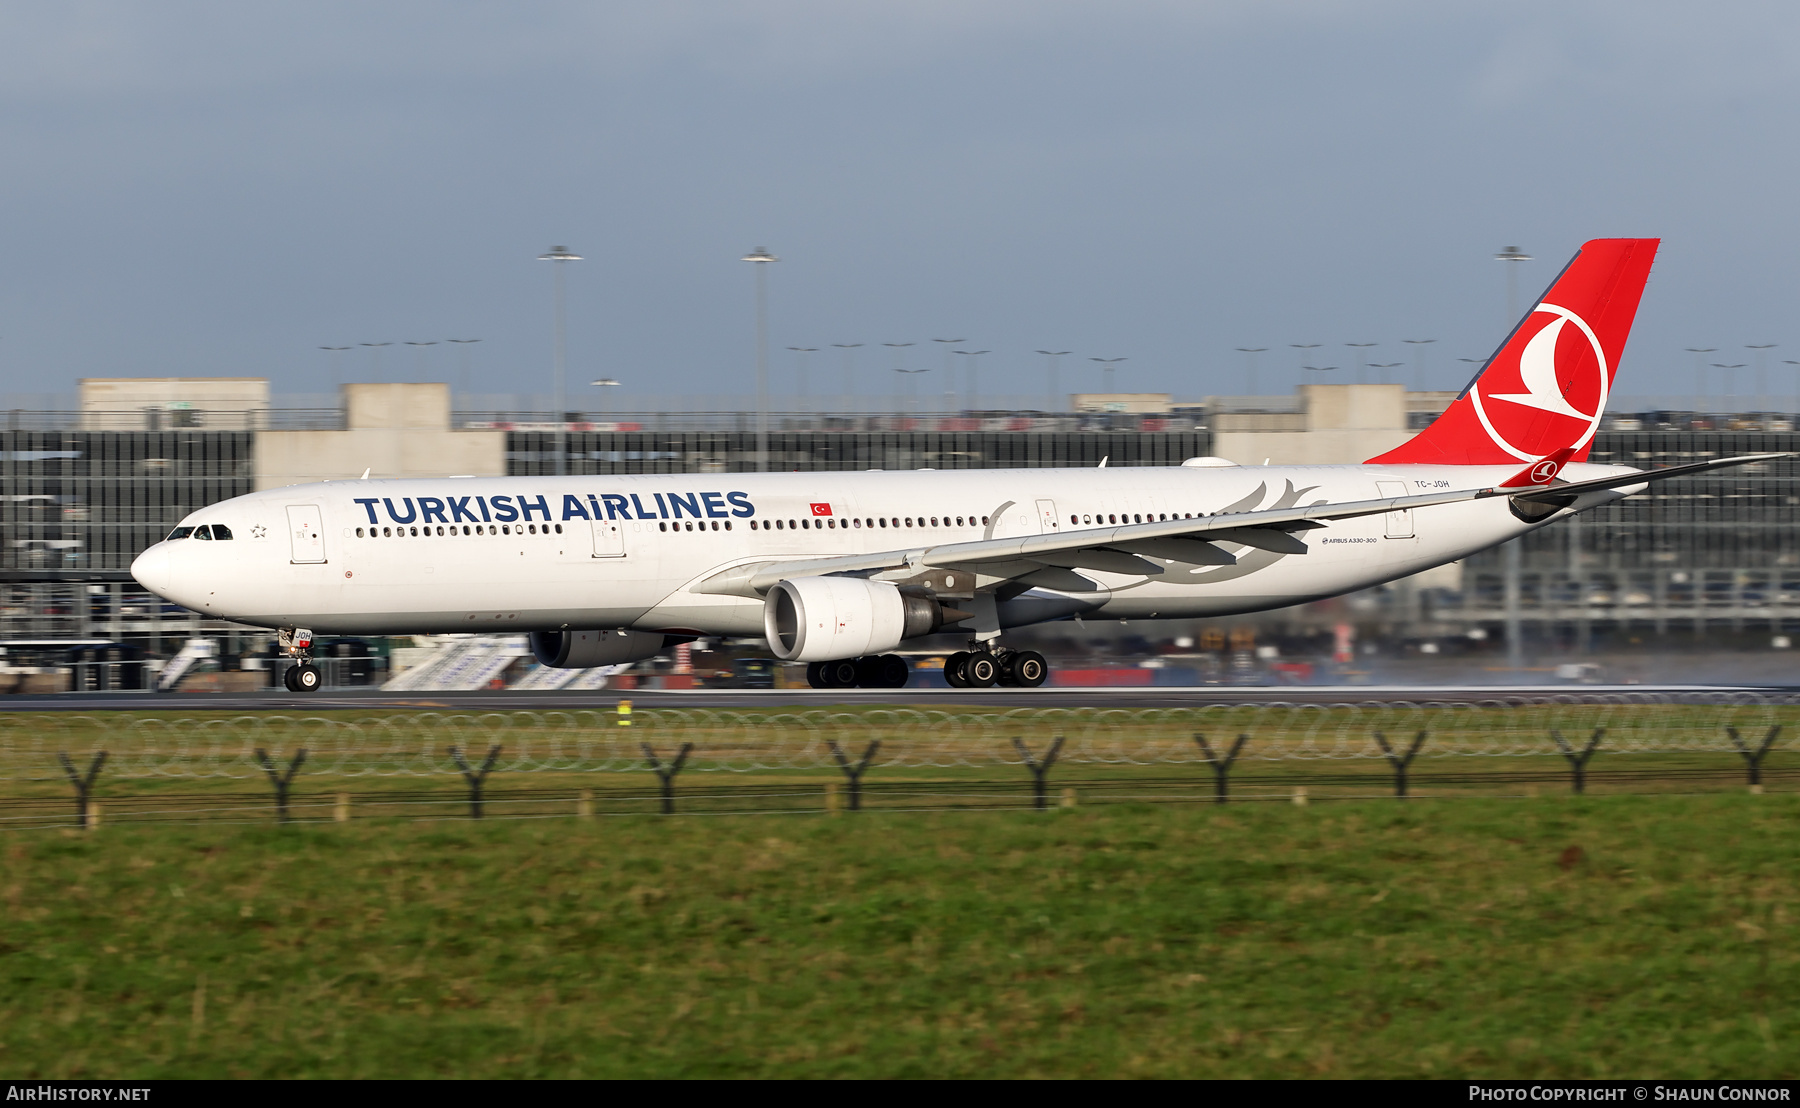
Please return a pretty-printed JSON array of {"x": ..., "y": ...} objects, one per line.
[
  {"x": 281, "y": 781},
  {"x": 1400, "y": 762},
  {"x": 1221, "y": 766},
  {"x": 84, "y": 784},
  {"x": 1578, "y": 762},
  {"x": 854, "y": 773},
  {"x": 1040, "y": 771},
  {"x": 341, "y": 812},
  {"x": 584, "y": 804},
  {"x": 667, "y": 773},
  {"x": 474, "y": 777},
  {"x": 1755, "y": 760}
]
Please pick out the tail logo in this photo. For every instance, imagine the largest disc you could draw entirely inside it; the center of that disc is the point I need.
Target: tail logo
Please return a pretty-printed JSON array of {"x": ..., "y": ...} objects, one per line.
[
  {"x": 1545, "y": 471},
  {"x": 1543, "y": 387}
]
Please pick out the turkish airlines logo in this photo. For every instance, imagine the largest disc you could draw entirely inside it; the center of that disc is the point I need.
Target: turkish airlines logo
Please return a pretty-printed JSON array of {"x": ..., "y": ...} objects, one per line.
[
  {"x": 1544, "y": 472},
  {"x": 1578, "y": 394},
  {"x": 821, "y": 509}
]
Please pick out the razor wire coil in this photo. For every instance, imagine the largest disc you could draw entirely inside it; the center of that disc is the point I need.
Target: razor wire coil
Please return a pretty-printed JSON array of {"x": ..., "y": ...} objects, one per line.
[{"x": 192, "y": 744}]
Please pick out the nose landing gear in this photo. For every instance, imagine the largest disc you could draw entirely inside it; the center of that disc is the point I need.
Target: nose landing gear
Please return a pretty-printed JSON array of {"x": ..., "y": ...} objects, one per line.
[{"x": 296, "y": 643}]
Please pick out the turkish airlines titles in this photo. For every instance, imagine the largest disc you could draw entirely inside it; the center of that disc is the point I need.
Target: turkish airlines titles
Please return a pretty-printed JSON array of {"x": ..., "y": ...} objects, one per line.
[{"x": 522, "y": 509}]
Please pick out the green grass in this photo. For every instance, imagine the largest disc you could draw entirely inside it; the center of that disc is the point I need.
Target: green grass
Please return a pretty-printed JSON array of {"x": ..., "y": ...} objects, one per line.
[{"x": 1479, "y": 937}]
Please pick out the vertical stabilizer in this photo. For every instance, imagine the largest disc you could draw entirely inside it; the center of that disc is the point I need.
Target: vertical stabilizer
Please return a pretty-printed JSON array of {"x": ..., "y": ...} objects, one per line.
[{"x": 1545, "y": 390}]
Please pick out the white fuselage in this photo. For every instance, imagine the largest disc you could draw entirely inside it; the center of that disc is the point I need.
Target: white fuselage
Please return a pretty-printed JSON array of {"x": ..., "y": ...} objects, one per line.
[{"x": 458, "y": 555}]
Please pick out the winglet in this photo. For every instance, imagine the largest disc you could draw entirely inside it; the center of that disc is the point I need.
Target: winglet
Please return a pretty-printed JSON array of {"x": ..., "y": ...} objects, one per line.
[{"x": 1541, "y": 473}]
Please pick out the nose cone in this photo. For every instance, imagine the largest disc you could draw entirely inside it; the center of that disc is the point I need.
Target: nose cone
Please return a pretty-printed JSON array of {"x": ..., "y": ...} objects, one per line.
[{"x": 154, "y": 569}]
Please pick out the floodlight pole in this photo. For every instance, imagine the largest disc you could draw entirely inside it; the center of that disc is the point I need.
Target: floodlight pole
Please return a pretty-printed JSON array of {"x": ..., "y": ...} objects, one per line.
[
  {"x": 1052, "y": 359},
  {"x": 762, "y": 258},
  {"x": 1512, "y": 557},
  {"x": 559, "y": 255}
]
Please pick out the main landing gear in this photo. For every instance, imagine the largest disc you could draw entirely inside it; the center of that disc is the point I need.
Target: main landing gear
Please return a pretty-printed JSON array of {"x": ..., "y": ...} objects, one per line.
[
  {"x": 296, "y": 643},
  {"x": 982, "y": 669},
  {"x": 881, "y": 671}
]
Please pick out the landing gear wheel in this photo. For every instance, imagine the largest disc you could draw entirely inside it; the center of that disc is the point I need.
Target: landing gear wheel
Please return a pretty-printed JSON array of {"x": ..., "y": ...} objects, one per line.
[
  {"x": 840, "y": 674},
  {"x": 953, "y": 670},
  {"x": 306, "y": 678},
  {"x": 1003, "y": 677},
  {"x": 815, "y": 675},
  {"x": 891, "y": 672},
  {"x": 1027, "y": 669},
  {"x": 981, "y": 671},
  {"x": 287, "y": 678}
]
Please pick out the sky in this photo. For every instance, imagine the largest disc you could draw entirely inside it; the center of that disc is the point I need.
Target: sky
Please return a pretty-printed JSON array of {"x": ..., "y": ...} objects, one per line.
[{"x": 206, "y": 189}]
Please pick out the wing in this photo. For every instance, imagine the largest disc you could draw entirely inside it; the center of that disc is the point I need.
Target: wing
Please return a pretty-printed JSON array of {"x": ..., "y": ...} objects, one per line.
[{"x": 1049, "y": 560}]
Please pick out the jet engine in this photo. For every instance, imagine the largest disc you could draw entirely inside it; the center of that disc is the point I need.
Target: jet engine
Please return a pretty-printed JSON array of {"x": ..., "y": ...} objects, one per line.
[
  {"x": 823, "y": 619},
  {"x": 587, "y": 649}
]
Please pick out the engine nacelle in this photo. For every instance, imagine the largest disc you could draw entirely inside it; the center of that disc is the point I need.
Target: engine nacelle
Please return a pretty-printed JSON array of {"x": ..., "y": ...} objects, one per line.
[
  {"x": 823, "y": 619},
  {"x": 587, "y": 649}
]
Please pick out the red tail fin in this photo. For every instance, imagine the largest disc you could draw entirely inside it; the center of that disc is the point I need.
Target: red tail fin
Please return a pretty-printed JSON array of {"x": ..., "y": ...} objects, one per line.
[{"x": 1545, "y": 389}]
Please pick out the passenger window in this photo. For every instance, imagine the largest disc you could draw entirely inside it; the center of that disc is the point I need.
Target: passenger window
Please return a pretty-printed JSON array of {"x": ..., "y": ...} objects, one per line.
[
  {"x": 359, "y": 532},
  {"x": 387, "y": 532},
  {"x": 559, "y": 528},
  {"x": 179, "y": 533}
]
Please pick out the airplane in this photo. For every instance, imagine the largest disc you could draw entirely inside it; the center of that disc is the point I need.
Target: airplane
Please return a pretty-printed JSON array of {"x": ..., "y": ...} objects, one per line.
[{"x": 839, "y": 569}]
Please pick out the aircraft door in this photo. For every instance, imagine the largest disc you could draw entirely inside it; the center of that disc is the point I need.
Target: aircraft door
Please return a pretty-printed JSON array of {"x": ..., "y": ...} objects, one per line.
[
  {"x": 306, "y": 534},
  {"x": 1047, "y": 521},
  {"x": 609, "y": 538},
  {"x": 1400, "y": 523}
]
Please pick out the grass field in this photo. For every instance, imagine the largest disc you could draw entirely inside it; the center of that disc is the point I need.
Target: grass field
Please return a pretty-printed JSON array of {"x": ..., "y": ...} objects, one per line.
[{"x": 1617, "y": 935}]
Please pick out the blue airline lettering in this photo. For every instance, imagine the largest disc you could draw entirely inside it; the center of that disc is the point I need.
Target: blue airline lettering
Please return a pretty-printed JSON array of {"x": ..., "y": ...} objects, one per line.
[
  {"x": 595, "y": 505},
  {"x": 742, "y": 500},
  {"x": 368, "y": 503},
  {"x": 642, "y": 512},
  {"x": 660, "y": 506},
  {"x": 411, "y": 514},
  {"x": 677, "y": 502},
  {"x": 504, "y": 510},
  {"x": 459, "y": 510},
  {"x": 715, "y": 504},
  {"x": 431, "y": 510},
  {"x": 481, "y": 502},
  {"x": 528, "y": 507},
  {"x": 572, "y": 508},
  {"x": 617, "y": 507}
]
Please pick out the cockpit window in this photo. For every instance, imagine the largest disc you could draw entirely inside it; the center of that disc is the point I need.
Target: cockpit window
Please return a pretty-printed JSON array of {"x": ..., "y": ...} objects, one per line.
[
  {"x": 203, "y": 532},
  {"x": 180, "y": 533},
  {"x": 220, "y": 531}
]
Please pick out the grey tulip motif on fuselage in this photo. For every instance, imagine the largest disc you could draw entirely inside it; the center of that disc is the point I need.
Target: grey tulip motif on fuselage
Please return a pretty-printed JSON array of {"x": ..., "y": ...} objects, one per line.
[{"x": 1250, "y": 559}]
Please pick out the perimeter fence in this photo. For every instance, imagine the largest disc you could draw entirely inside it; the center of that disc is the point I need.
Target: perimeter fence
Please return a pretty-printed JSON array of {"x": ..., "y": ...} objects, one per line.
[{"x": 584, "y": 761}]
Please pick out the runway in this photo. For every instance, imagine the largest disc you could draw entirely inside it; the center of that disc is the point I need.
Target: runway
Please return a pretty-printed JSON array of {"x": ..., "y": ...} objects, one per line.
[{"x": 943, "y": 700}]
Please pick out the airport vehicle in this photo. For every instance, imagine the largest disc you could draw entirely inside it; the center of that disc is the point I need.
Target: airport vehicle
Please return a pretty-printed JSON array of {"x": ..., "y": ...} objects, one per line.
[{"x": 838, "y": 569}]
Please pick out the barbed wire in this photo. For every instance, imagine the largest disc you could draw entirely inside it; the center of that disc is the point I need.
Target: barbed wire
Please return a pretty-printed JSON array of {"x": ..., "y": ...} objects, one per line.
[{"x": 420, "y": 744}]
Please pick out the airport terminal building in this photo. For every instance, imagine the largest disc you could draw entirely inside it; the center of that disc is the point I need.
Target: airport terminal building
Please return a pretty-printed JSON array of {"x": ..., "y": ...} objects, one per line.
[{"x": 1708, "y": 556}]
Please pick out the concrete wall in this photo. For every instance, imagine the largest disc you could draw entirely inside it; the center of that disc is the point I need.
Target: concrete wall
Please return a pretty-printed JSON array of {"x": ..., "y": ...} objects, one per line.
[
  {"x": 371, "y": 407},
  {"x": 136, "y": 403},
  {"x": 1343, "y": 424},
  {"x": 395, "y": 431},
  {"x": 1137, "y": 403}
]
